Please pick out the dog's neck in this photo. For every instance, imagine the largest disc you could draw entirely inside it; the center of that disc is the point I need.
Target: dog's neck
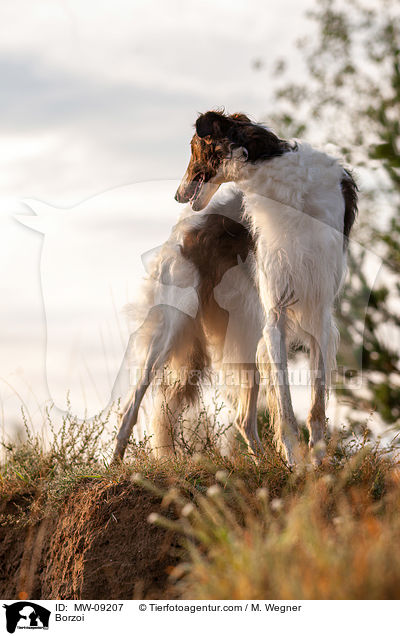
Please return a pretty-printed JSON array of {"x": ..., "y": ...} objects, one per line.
[{"x": 266, "y": 180}]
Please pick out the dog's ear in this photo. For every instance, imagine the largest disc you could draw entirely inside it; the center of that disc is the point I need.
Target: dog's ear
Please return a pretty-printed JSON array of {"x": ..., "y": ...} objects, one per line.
[
  {"x": 240, "y": 117},
  {"x": 213, "y": 124},
  {"x": 258, "y": 142}
]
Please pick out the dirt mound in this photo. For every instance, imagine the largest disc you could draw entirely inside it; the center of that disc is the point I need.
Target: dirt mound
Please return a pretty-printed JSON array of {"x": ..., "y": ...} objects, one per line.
[{"x": 99, "y": 546}]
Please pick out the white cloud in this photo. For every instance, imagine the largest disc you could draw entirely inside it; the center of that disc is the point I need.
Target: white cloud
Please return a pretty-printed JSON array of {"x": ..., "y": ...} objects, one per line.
[{"x": 202, "y": 45}]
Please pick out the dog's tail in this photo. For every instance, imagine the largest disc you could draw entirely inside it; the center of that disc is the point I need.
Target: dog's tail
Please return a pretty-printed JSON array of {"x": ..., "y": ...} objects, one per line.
[{"x": 350, "y": 196}]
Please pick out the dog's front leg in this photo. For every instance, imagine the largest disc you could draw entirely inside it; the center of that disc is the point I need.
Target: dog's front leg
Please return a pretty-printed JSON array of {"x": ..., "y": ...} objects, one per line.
[{"x": 286, "y": 424}]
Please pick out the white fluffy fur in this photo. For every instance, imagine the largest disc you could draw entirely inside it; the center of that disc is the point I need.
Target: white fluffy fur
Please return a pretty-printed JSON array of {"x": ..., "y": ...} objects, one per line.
[{"x": 296, "y": 207}]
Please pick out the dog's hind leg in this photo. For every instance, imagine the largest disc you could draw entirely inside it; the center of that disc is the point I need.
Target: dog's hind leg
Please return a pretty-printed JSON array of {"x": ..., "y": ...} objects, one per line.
[
  {"x": 129, "y": 419},
  {"x": 322, "y": 353},
  {"x": 157, "y": 355},
  {"x": 246, "y": 418},
  {"x": 178, "y": 345},
  {"x": 130, "y": 414}
]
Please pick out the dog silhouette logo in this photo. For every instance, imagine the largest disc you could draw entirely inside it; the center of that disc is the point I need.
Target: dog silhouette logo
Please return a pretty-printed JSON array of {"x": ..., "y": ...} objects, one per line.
[
  {"x": 94, "y": 258},
  {"x": 26, "y": 615}
]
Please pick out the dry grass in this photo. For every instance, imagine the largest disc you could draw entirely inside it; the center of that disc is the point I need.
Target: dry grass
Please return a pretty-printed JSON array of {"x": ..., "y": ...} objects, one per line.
[
  {"x": 330, "y": 534},
  {"x": 248, "y": 530}
]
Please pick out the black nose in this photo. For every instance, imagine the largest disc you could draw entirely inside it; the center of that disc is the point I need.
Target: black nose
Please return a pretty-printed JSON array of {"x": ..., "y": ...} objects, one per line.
[{"x": 180, "y": 197}]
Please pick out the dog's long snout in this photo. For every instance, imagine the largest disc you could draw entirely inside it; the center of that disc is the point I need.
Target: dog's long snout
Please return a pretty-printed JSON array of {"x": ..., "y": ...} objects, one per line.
[
  {"x": 185, "y": 190},
  {"x": 180, "y": 197}
]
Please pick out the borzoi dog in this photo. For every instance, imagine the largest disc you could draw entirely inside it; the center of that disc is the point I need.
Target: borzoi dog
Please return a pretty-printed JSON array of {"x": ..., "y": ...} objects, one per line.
[
  {"x": 301, "y": 205},
  {"x": 201, "y": 250}
]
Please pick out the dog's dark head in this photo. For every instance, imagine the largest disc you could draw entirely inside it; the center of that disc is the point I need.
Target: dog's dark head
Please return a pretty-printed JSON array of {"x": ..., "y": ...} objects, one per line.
[{"x": 213, "y": 147}]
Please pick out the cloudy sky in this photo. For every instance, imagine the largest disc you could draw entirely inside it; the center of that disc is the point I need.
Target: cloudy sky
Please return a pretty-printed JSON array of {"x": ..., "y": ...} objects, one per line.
[{"x": 101, "y": 94}]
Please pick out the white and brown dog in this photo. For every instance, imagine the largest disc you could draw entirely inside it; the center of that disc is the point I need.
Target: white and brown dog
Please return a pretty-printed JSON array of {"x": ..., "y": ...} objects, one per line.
[
  {"x": 289, "y": 223},
  {"x": 301, "y": 204}
]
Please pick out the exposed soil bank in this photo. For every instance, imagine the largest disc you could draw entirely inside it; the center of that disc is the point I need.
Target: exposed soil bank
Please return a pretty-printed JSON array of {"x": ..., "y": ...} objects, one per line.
[{"x": 98, "y": 546}]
